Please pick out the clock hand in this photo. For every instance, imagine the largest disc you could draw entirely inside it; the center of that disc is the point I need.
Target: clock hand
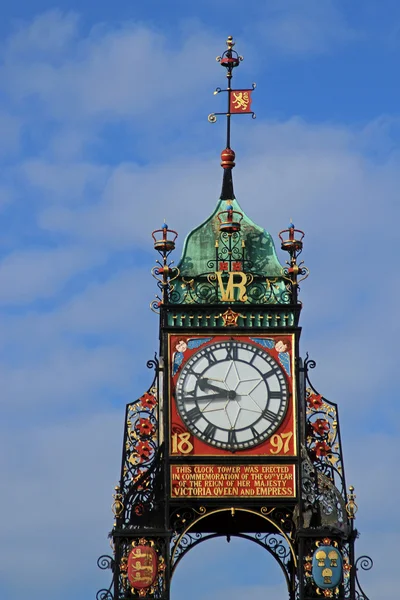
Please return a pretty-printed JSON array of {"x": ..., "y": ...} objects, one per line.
[
  {"x": 221, "y": 396},
  {"x": 203, "y": 384}
]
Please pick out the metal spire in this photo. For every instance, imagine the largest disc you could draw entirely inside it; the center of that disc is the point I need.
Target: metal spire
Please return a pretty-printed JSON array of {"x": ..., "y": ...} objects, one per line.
[{"x": 239, "y": 102}]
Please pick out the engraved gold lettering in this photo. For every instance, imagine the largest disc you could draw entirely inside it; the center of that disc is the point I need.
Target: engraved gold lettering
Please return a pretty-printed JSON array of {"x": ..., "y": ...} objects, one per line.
[{"x": 232, "y": 480}]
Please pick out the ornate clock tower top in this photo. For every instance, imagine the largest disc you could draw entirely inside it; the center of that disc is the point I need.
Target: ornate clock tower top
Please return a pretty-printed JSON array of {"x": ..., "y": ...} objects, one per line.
[
  {"x": 231, "y": 438},
  {"x": 228, "y": 260}
]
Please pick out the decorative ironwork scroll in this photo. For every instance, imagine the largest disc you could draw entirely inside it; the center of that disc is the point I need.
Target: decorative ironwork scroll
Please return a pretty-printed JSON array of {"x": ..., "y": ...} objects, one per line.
[
  {"x": 235, "y": 274},
  {"x": 279, "y": 542},
  {"x": 136, "y": 498},
  {"x": 364, "y": 563},
  {"x": 232, "y": 277},
  {"x": 105, "y": 562},
  {"x": 323, "y": 445},
  {"x": 208, "y": 288},
  {"x": 326, "y": 504},
  {"x": 140, "y": 484}
]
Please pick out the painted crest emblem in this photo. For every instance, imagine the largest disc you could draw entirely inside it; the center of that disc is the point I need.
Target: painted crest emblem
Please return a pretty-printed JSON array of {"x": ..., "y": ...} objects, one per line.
[
  {"x": 142, "y": 567},
  {"x": 327, "y": 567}
]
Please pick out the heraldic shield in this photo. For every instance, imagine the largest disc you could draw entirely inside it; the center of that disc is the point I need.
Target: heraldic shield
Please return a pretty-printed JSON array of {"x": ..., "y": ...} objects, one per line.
[
  {"x": 327, "y": 567},
  {"x": 142, "y": 567}
]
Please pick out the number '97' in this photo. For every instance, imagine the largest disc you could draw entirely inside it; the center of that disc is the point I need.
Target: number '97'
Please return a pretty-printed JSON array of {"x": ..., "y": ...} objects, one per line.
[{"x": 281, "y": 442}]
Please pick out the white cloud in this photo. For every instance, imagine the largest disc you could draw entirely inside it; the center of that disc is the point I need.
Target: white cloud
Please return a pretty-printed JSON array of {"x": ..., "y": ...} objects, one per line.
[
  {"x": 70, "y": 379},
  {"x": 84, "y": 350},
  {"x": 110, "y": 74},
  {"x": 65, "y": 181},
  {"x": 29, "y": 275},
  {"x": 48, "y": 33},
  {"x": 123, "y": 215}
]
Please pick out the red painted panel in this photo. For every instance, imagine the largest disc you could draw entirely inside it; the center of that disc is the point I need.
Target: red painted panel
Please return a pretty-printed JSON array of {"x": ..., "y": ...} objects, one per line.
[
  {"x": 184, "y": 443},
  {"x": 142, "y": 566}
]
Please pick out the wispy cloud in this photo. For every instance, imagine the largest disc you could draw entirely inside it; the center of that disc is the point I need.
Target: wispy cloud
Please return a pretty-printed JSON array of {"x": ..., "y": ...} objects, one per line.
[{"x": 131, "y": 71}]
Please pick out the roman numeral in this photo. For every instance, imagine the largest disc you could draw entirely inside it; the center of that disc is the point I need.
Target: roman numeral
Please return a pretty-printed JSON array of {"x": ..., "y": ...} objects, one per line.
[
  {"x": 232, "y": 439},
  {"x": 268, "y": 414},
  {"x": 253, "y": 358},
  {"x": 232, "y": 352},
  {"x": 275, "y": 395},
  {"x": 211, "y": 357},
  {"x": 274, "y": 371},
  {"x": 209, "y": 431},
  {"x": 190, "y": 371},
  {"x": 254, "y": 432},
  {"x": 194, "y": 414}
]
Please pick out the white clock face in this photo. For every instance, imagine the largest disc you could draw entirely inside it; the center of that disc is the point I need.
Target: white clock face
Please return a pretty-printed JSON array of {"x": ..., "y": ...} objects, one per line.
[{"x": 232, "y": 395}]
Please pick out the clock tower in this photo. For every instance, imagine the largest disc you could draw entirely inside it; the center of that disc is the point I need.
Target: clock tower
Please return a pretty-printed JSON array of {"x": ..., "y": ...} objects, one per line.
[{"x": 231, "y": 438}]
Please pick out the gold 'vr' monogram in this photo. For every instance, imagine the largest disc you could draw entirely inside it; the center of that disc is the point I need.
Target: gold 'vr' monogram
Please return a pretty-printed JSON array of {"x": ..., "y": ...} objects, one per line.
[{"x": 237, "y": 280}]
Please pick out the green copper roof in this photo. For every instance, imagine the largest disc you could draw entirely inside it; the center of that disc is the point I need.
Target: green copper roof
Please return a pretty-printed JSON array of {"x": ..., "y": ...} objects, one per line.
[{"x": 199, "y": 247}]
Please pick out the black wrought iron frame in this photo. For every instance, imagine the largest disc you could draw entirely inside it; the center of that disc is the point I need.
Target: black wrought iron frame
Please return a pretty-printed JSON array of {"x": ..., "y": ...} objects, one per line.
[{"x": 278, "y": 543}]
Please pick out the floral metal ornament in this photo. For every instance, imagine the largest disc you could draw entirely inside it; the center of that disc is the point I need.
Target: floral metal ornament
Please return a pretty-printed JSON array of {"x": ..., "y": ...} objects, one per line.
[
  {"x": 135, "y": 496},
  {"x": 230, "y": 318},
  {"x": 323, "y": 438},
  {"x": 320, "y": 426},
  {"x": 314, "y": 400}
]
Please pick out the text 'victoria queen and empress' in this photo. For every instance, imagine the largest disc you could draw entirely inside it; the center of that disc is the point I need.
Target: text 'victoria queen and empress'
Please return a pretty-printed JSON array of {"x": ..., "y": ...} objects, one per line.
[{"x": 218, "y": 481}]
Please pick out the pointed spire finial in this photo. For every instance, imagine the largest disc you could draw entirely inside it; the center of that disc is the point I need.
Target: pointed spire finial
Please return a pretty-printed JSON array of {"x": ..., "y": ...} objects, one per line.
[
  {"x": 239, "y": 102},
  {"x": 230, "y": 43}
]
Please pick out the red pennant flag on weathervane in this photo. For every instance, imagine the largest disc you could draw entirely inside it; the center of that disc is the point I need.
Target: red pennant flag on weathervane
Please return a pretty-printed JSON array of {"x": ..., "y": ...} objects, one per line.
[{"x": 240, "y": 101}]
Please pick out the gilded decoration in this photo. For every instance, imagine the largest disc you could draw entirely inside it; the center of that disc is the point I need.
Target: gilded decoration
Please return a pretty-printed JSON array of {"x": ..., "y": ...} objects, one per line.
[
  {"x": 226, "y": 259},
  {"x": 327, "y": 569},
  {"x": 279, "y": 541},
  {"x": 230, "y": 318},
  {"x": 323, "y": 480},
  {"x": 134, "y": 499},
  {"x": 142, "y": 568},
  {"x": 230, "y": 278},
  {"x": 323, "y": 436}
]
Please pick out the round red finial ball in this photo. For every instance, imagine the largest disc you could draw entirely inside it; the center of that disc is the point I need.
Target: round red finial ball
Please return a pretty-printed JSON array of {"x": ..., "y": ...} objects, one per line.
[{"x": 227, "y": 158}]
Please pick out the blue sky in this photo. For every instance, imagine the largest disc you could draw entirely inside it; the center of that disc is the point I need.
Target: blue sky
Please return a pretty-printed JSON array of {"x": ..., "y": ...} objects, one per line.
[{"x": 104, "y": 133}]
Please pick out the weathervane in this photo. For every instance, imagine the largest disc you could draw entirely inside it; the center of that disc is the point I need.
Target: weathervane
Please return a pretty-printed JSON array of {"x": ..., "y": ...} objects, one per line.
[{"x": 239, "y": 101}]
